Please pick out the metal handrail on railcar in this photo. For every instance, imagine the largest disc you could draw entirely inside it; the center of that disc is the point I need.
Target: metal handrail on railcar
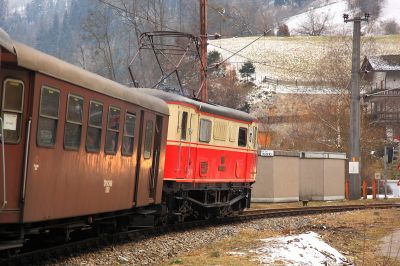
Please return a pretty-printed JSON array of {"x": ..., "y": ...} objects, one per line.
[{"x": 3, "y": 156}]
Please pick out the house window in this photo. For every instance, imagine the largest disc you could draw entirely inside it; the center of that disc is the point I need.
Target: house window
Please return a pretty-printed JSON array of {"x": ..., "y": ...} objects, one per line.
[
  {"x": 13, "y": 97},
  {"x": 205, "y": 130},
  {"x": 95, "y": 122},
  {"x": 73, "y": 125},
  {"x": 242, "y": 138},
  {"x": 129, "y": 134},
  {"x": 114, "y": 115},
  {"x": 48, "y": 117},
  {"x": 148, "y": 139}
]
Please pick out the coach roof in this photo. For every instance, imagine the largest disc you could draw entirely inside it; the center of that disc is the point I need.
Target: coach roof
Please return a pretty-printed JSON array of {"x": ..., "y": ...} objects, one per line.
[
  {"x": 32, "y": 59},
  {"x": 201, "y": 106}
]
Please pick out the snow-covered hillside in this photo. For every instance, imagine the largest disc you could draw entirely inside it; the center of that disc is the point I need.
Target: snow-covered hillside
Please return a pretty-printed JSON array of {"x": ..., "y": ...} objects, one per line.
[
  {"x": 293, "y": 58},
  {"x": 332, "y": 9},
  {"x": 293, "y": 64}
]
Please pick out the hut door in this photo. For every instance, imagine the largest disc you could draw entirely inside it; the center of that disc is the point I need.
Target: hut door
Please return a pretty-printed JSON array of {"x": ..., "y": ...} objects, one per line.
[{"x": 13, "y": 130}]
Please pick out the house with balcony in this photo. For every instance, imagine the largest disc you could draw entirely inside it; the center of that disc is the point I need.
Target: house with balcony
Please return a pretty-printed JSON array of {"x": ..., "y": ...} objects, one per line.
[{"x": 381, "y": 90}]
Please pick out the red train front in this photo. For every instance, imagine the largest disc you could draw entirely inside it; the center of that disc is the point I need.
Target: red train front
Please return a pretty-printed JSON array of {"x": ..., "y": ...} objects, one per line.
[{"x": 210, "y": 158}]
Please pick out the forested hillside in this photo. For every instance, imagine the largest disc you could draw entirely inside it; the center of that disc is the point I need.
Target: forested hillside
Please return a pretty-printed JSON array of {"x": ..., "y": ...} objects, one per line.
[{"x": 102, "y": 35}]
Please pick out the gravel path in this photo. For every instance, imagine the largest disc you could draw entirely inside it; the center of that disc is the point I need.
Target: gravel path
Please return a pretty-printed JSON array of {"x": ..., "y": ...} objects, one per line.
[{"x": 155, "y": 250}]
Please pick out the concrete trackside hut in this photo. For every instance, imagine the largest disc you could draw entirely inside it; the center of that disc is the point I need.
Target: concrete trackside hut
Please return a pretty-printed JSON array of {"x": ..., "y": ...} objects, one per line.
[{"x": 293, "y": 176}]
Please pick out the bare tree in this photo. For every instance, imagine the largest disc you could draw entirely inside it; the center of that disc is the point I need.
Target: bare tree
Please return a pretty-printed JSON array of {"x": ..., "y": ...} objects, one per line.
[
  {"x": 314, "y": 25},
  {"x": 266, "y": 19},
  {"x": 283, "y": 31},
  {"x": 98, "y": 28}
]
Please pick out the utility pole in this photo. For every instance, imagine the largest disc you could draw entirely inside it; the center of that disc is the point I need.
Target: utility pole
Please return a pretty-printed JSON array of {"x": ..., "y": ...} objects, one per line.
[
  {"x": 355, "y": 156},
  {"x": 385, "y": 162},
  {"x": 203, "y": 50}
]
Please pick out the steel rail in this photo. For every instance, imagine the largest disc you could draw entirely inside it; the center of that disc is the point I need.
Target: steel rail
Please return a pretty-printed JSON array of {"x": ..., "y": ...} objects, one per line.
[{"x": 97, "y": 243}]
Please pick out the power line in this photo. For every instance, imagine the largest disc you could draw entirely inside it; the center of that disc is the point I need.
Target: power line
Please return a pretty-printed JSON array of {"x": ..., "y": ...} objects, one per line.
[
  {"x": 235, "y": 53},
  {"x": 258, "y": 62},
  {"x": 233, "y": 19},
  {"x": 125, "y": 13}
]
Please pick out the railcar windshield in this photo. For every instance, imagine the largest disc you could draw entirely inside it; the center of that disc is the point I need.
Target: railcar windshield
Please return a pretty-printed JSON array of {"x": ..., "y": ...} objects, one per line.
[{"x": 242, "y": 140}]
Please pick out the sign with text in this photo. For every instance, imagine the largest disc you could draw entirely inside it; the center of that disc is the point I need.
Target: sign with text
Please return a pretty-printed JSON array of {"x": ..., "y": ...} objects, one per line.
[
  {"x": 10, "y": 122},
  {"x": 267, "y": 153},
  {"x": 377, "y": 176},
  {"x": 354, "y": 168}
]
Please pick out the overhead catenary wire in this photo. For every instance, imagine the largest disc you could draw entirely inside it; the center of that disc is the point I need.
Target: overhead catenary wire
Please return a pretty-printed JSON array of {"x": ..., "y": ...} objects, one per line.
[{"x": 254, "y": 61}]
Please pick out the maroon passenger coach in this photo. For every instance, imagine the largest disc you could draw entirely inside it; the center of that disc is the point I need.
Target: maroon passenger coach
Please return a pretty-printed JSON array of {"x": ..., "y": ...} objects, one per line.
[{"x": 78, "y": 149}]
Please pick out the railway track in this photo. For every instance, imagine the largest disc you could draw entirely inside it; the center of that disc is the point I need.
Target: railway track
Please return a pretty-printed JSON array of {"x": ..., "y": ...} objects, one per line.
[{"x": 46, "y": 253}]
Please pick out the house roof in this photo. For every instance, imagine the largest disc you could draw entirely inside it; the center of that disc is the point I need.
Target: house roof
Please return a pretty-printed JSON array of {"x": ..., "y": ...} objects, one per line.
[{"x": 382, "y": 63}]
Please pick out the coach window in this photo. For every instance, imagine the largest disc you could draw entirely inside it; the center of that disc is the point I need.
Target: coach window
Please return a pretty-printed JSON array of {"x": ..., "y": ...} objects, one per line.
[
  {"x": 13, "y": 95},
  {"x": 48, "y": 119},
  {"x": 73, "y": 125},
  {"x": 148, "y": 139},
  {"x": 242, "y": 139},
  {"x": 95, "y": 122},
  {"x": 114, "y": 115},
  {"x": 205, "y": 130},
  {"x": 184, "y": 125},
  {"x": 129, "y": 134}
]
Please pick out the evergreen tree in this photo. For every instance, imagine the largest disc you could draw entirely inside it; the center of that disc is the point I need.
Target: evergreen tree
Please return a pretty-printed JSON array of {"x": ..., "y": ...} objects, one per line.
[
  {"x": 213, "y": 58},
  {"x": 247, "y": 70}
]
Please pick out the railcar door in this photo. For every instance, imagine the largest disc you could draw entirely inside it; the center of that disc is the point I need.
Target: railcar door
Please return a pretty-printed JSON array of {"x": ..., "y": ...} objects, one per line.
[
  {"x": 14, "y": 126},
  {"x": 184, "y": 143},
  {"x": 148, "y": 159}
]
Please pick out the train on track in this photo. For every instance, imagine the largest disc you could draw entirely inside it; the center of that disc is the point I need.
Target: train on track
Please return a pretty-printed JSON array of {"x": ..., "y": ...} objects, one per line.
[{"x": 79, "y": 151}]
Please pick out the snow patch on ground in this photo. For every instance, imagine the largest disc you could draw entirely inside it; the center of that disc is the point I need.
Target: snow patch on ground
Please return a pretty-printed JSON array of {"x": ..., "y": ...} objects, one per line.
[
  {"x": 236, "y": 253},
  {"x": 303, "y": 249}
]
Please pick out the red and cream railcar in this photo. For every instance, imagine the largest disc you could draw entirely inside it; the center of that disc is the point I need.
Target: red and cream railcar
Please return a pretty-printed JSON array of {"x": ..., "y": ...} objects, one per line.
[
  {"x": 78, "y": 149},
  {"x": 210, "y": 158}
]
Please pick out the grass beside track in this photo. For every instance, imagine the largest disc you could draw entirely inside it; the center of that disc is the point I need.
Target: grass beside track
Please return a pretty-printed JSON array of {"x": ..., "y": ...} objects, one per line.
[{"x": 356, "y": 234}]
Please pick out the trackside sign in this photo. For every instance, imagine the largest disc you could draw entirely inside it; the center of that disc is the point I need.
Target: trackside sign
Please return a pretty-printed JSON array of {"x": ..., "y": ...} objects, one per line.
[{"x": 267, "y": 153}]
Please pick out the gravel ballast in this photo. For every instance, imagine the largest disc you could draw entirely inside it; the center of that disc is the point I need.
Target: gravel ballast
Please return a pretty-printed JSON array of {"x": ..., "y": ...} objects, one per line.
[{"x": 154, "y": 250}]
